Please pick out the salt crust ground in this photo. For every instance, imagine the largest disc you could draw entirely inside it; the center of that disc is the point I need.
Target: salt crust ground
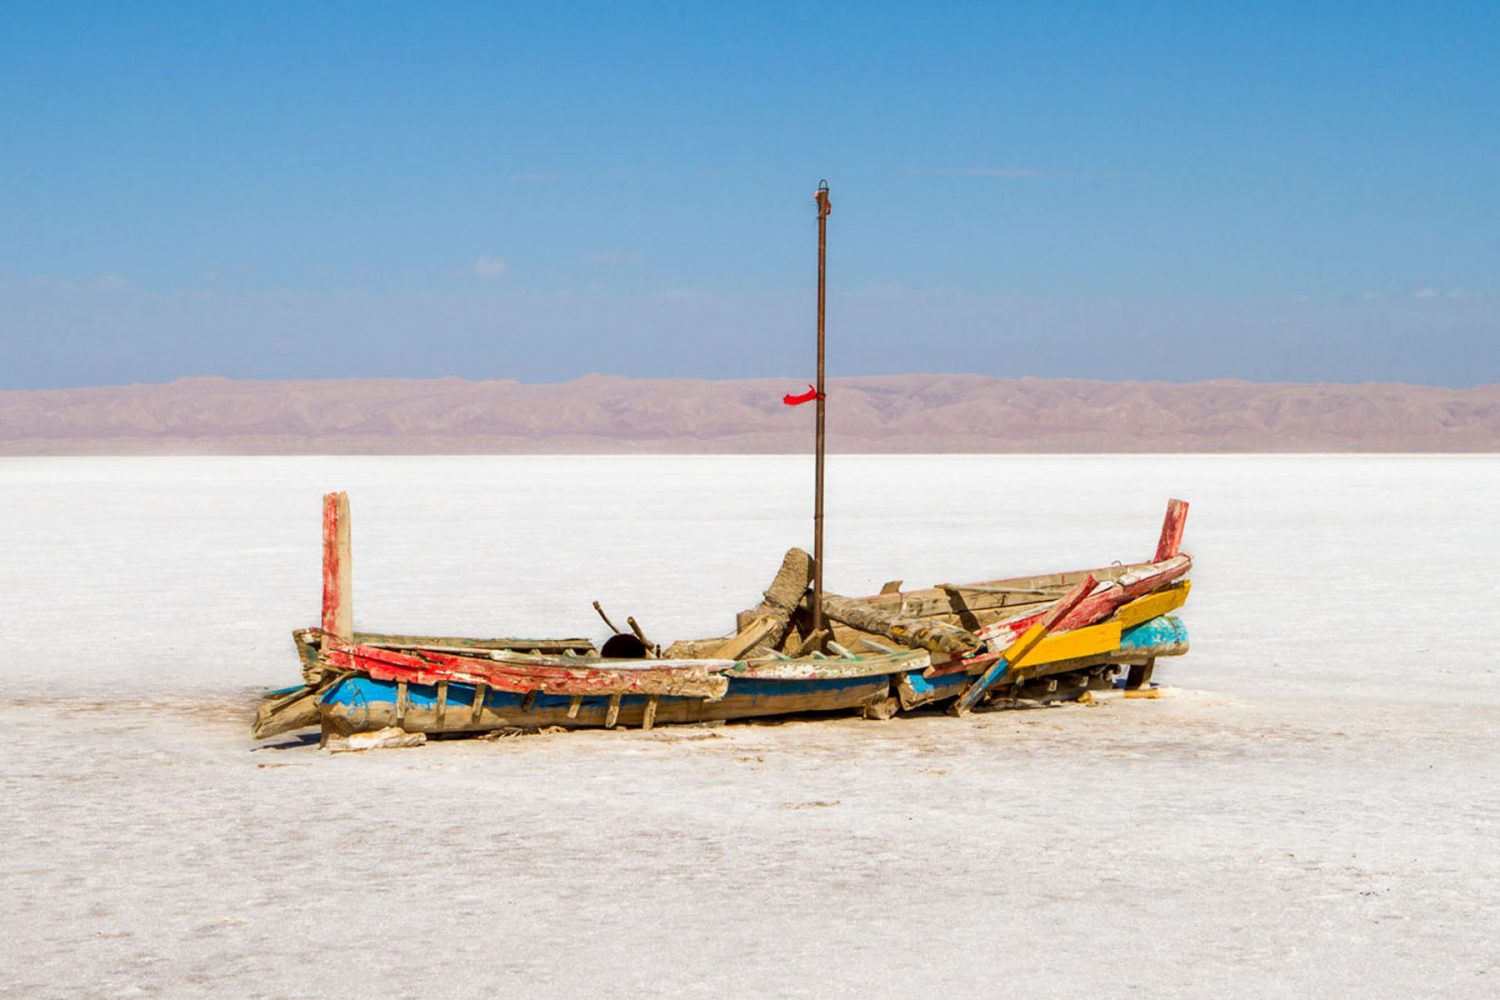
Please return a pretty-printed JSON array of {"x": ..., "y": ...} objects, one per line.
[{"x": 1315, "y": 814}]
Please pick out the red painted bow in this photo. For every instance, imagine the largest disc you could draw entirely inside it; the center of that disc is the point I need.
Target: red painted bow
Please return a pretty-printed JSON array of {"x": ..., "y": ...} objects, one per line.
[{"x": 807, "y": 397}]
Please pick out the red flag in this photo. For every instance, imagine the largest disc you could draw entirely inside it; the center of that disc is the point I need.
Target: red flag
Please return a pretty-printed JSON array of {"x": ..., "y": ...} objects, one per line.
[{"x": 807, "y": 397}]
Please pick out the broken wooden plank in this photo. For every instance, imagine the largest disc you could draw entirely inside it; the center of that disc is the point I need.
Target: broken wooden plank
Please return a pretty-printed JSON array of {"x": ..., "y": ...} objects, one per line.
[
  {"x": 1170, "y": 542},
  {"x": 1023, "y": 645},
  {"x": 757, "y": 632},
  {"x": 296, "y": 711}
]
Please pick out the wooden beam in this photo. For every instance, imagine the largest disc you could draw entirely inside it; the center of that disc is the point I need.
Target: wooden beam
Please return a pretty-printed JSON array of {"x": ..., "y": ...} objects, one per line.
[
  {"x": 338, "y": 596},
  {"x": 1170, "y": 542},
  {"x": 916, "y": 632},
  {"x": 1139, "y": 675}
]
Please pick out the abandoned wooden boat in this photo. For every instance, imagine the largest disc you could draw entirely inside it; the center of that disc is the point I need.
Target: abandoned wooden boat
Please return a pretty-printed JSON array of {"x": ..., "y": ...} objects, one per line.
[
  {"x": 801, "y": 650},
  {"x": 956, "y": 645}
]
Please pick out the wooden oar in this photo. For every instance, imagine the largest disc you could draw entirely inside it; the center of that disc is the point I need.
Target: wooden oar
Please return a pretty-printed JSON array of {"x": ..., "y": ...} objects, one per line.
[{"x": 1023, "y": 645}]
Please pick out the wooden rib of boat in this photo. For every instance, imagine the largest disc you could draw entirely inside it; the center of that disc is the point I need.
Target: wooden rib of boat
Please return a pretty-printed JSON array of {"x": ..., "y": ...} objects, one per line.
[{"x": 894, "y": 658}]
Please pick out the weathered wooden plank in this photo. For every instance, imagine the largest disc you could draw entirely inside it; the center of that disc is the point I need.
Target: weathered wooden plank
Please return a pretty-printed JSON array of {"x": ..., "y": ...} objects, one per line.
[
  {"x": 758, "y": 631},
  {"x": 1023, "y": 645},
  {"x": 506, "y": 671},
  {"x": 1170, "y": 542},
  {"x": 363, "y": 704},
  {"x": 908, "y": 631},
  {"x": 338, "y": 592},
  {"x": 1153, "y": 605},
  {"x": 582, "y": 647},
  {"x": 811, "y": 669},
  {"x": 693, "y": 649},
  {"x": 1089, "y": 641}
]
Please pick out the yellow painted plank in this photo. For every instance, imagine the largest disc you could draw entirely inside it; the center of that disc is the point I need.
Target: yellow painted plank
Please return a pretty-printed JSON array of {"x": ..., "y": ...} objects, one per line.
[
  {"x": 1145, "y": 608},
  {"x": 1090, "y": 641}
]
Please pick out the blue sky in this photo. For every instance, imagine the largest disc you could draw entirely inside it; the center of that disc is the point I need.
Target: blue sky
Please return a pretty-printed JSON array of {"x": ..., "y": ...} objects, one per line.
[{"x": 1174, "y": 191}]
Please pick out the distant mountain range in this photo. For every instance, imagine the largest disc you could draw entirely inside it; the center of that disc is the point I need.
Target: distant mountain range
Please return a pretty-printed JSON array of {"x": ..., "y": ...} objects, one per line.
[{"x": 905, "y": 413}]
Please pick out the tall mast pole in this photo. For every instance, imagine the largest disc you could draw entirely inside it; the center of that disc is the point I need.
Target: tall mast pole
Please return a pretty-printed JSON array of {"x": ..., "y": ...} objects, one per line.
[{"x": 824, "y": 207}]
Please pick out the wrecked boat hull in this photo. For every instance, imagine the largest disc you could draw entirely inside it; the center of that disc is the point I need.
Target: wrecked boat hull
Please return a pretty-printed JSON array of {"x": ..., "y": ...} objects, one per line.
[{"x": 359, "y": 703}]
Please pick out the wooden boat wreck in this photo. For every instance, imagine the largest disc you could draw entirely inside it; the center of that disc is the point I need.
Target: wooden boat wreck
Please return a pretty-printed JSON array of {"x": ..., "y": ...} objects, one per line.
[
  {"x": 950, "y": 646},
  {"x": 801, "y": 650}
]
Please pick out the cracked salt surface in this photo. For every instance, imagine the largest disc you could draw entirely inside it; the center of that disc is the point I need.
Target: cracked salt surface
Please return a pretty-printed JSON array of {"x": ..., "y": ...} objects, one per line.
[{"x": 1314, "y": 814}]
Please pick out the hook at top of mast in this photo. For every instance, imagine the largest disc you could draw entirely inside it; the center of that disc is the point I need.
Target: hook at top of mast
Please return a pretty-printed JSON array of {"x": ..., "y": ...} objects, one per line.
[{"x": 825, "y": 207}]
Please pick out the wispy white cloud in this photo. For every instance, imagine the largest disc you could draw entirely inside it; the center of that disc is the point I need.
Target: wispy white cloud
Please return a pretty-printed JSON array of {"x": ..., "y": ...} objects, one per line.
[
  {"x": 1425, "y": 293},
  {"x": 490, "y": 268},
  {"x": 110, "y": 282}
]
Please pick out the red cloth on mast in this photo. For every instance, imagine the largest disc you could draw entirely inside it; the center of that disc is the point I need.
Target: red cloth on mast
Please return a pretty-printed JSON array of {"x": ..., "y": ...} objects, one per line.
[{"x": 806, "y": 397}]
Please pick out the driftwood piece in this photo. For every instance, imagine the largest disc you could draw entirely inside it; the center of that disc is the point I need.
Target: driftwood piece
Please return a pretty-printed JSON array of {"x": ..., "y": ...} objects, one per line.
[
  {"x": 905, "y": 629},
  {"x": 780, "y": 601},
  {"x": 607, "y": 622},
  {"x": 635, "y": 627}
]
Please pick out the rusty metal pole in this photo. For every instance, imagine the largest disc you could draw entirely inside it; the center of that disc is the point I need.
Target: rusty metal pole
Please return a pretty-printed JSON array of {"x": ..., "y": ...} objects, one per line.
[{"x": 824, "y": 208}]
